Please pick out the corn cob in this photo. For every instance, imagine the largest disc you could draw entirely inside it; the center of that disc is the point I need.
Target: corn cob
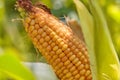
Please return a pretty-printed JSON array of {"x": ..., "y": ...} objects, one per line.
[{"x": 58, "y": 44}]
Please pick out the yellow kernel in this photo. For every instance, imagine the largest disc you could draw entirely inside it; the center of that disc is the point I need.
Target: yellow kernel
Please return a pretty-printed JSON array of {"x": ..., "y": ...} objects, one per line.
[
  {"x": 63, "y": 68},
  {"x": 54, "y": 64},
  {"x": 40, "y": 31},
  {"x": 87, "y": 73},
  {"x": 64, "y": 58},
  {"x": 54, "y": 27},
  {"x": 58, "y": 72},
  {"x": 61, "y": 75},
  {"x": 75, "y": 72},
  {"x": 32, "y": 22},
  {"x": 70, "y": 65},
  {"x": 36, "y": 26},
  {"x": 48, "y": 48},
  {"x": 40, "y": 48},
  {"x": 52, "y": 34},
  {"x": 56, "y": 68},
  {"x": 26, "y": 26},
  {"x": 31, "y": 28},
  {"x": 55, "y": 57},
  {"x": 27, "y": 19},
  {"x": 45, "y": 44},
  {"x": 57, "y": 60},
  {"x": 76, "y": 43},
  {"x": 79, "y": 54},
  {"x": 36, "y": 20},
  {"x": 86, "y": 54},
  {"x": 34, "y": 33},
  {"x": 89, "y": 77},
  {"x": 63, "y": 78},
  {"x": 51, "y": 61},
  {"x": 70, "y": 44},
  {"x": 61, "y": 44},
  {"x": 45, "y": 28},
  {"x": 65, "y": 71},
  {"x": 55, "y": 38},
  {"x": 38, "y": 37},
  {"x": 83, "y": 48},
  {"x": 71, "y": 78},
  {"x": 52, "y": 53},
  {"x": 60, "y": 64},
  {"x": 68, "y": 75},
  {"x": 41, "y": 23},
  {"x": 87, "y": 66},
  {"x": 51, "y": 24},
  {"x": 41, "y": 40},
  {"x": 74, "y": 40},
  {"x": 32, "y": 15},
  {"x": 58, "y": 51},
  {"x": 69, "y": 54},
  {"x": 72, "y": 57},
  {"x": 48, "y": 57},
  {"x": 82, "y": 72},
  {"x": 77, "y": 76},
  {"x": 82, "y": 78},
  {"x": 80, "y": 46},
  {"x": 76, "y": 51},
  {"x": 61, "y": 34},
  {"x": 55, "y": 48},
  {"x": 61, "y": 55},
  {"x": 78, "y": 63},
  {"x": 67, "y": 51},
  {"x": 82, "y": 57},
  {"x": 48, "y": 31},
  {"x": 52, "y": 44},
  {"x": 47, "y": 38},
  {"x": 64, "y": 47},
  {"x": 73, "y": 48},
  {"x": 85, "y": 60},
  {"x": 75, "y": 61},
  {"x": 57, "y": 31},
  {"x": 35, "y": 41},
  {"x": 81, "y": 67},
  {"x": 72, "y": 69},
  {"x": 67, "y": 62},
  {"x": 58, "y": 41},
  {"x": 43, "y": 34}
]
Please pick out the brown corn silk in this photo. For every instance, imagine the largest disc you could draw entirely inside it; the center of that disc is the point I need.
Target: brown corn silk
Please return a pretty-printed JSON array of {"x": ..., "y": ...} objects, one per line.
[{"x": 63, "y": 50}]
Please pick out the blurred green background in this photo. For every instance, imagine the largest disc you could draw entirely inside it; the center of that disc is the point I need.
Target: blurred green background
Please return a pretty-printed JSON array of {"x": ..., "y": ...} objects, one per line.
[{"x": 14, "y": 38}]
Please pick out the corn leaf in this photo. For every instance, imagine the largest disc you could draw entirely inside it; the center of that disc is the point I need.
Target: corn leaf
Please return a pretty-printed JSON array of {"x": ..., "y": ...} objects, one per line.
[
  {"x": 11, "y": 66},
  {"x": 107, "y": 67}
]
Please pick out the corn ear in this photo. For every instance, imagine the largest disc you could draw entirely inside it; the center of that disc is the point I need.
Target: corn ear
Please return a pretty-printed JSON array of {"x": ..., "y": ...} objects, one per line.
[{"x": 62, "y": 49}]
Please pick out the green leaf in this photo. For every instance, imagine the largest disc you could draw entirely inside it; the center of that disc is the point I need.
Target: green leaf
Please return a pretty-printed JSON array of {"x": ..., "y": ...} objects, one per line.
[
  {"x": 108, "y": 68},
  {"x": 103, "y": 51},
  {"x": 10, "y": 65}
]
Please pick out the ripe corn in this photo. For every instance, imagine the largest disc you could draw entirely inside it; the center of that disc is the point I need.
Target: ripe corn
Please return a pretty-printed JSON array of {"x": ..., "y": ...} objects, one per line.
[{"x": 58, "y": 44}]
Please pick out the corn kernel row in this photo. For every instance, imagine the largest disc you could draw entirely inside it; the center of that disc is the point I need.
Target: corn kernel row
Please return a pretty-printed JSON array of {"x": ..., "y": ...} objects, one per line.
[{"x": 59, "y": 45}]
